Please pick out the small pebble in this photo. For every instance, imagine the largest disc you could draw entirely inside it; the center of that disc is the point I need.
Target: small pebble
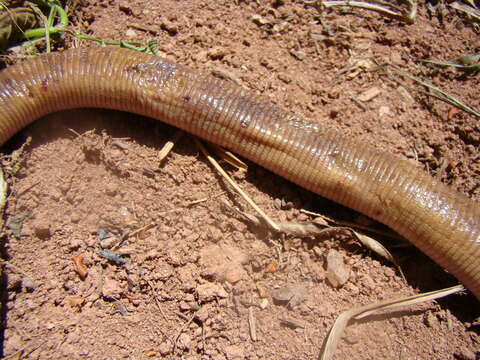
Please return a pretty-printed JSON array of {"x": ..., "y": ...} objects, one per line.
[
  {"x": 112, "y": 256},
  {"x": 111, "y": 189},
  {"x": 28, "y": 284},
  {"x": 384, "y": 110},
  {"x": 188, "y": 286},
  {"x": 108, "y": 242},
  {"x": 470, "y": 149},
  {"x": 318, "y": 251},
  {"x": 263, "y": 304},
  {"x": 235, "y": 352},
  {"x": 259, "y": 20},
  {"x": 80, "y": 267},
  {"x": 277, "y": 203},
  {"x": 111, "y": 288},
  {"x": 234, "y": 275},
  {"x": 337, "y": 272},
  {"x": 217, "y": 53},
  {"x": 210, "y": 291},
  {"x": 103, "y": 233},
  {"x": 169, "y": 27},
  {"x": 184, "y": 306},
  {"x": 299, "y": 55},
  {"x": 164, "y": 348},
  {"x": 30, "y": 305},
  {"x": 75, "y": 244},
  {"x": 202, "y": 314},
  {"x": 184, "y": 341},
  {"x": 130, "y": 33},
  {"x": 369, "y": 94},
  {"x": 351, "y": 336},
  {"x": 75, "y": 217},
  {"x": 389, "y": 272},
  {"x": 262, "y": 291},
  {"x": 41, "y": 230}
]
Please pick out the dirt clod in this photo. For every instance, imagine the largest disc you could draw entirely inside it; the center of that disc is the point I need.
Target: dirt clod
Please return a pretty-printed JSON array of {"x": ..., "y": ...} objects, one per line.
[
  {"x": 291, "y": 294},
  {"x": 41, "y": 229},
  {"x": 111, "y": 288},
  {"x": 209, "y": 292},
  {"x": 337, "y": 271}
]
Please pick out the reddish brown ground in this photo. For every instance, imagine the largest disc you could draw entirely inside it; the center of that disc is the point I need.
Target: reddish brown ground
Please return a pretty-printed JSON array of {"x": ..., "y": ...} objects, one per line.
[{"x": 174, "y": 297}]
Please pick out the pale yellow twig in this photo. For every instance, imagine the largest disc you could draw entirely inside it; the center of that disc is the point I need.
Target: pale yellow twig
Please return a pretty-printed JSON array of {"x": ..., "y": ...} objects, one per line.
[
  {"x": 227, "y": 177},
  {"x": 336, "y": 332},
  {"x": 169, "y": 145}
]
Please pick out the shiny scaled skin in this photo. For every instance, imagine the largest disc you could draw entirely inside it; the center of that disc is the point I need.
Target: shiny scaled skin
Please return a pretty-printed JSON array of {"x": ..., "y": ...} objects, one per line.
[{"x": 441, "y": 222}]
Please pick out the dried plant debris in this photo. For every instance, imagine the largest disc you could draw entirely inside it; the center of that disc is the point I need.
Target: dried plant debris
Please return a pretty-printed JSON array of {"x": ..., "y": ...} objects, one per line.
[
  {"x": 14, "y": 22},
  {"x": 432, "y": 90},
  {"x": 470, "y": 10},
  {"x": 336, "y": 332},
  {"x": 312, "y": 228},
  {"x": 237, "y": 188},
  {"x": 389, "y": 9},
  {"x": 470, "y": 62},
  {"x": 80, "y": 267}
]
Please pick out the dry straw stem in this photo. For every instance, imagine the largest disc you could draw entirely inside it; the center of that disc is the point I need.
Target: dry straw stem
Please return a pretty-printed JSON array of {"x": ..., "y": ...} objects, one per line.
[
  {"x": 222, "y": 172},
  {"x": 3, "y": 196},
  {"x": 465, "y": 63},
  {"x": 336, "y": 332},
  {"x": 182, "y": 329},
  {"x": 169, "y": 145},
  {"x": 409, "y": 18},
  {"x": 434, "y": 91},
  {"x": 466, "y": 9},
  {"x": 471, "y": 3},
  {"x": 230, "y": 158},
  {"x": 252, "y": 324}
]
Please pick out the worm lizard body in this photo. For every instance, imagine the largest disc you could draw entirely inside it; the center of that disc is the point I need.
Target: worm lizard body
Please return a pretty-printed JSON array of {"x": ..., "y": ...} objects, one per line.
[{"x": 441, "y": 222}]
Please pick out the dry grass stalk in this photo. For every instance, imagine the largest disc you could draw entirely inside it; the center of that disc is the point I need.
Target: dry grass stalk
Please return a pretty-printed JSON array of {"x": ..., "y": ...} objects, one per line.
[
  {"x": 230, "y": 158},
  {"x": 399, "y": 15},
  {"x": 336, "y": 332},
  {"x": 237, "y": 188},
  {"x": 169, "y": 145},
  {"x": 433, "y": 91}
]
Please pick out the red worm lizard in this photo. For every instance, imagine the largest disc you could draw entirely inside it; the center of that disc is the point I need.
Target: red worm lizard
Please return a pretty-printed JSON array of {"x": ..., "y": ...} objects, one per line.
[{"x": 439, "y": 221}]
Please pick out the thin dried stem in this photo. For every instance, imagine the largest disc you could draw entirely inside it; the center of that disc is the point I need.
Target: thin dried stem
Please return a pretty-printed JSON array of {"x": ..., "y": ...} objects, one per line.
[
  {"x": 227, "y": 177},
  {"x": 336, "y": 332}
]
